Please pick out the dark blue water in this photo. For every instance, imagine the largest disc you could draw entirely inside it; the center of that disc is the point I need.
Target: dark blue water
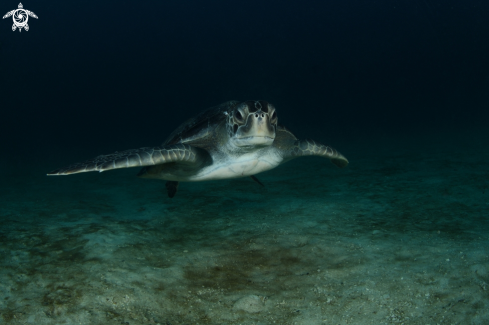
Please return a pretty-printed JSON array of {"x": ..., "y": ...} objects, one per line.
[{"x": 100, "y": 73}]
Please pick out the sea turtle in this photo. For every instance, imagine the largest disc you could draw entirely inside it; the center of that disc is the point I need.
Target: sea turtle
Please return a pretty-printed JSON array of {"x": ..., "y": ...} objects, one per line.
[
  {"x": 20, "y": 17},
  {"x": 227, "y": 141}
]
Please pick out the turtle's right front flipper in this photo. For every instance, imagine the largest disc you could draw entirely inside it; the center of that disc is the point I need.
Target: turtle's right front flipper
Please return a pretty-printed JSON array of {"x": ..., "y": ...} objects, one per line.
[{"x": 182, "y": 153}]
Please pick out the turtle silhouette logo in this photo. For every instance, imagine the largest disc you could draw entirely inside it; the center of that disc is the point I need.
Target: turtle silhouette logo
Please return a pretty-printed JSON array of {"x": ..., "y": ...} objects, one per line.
[{"x": 20, "y": 17}]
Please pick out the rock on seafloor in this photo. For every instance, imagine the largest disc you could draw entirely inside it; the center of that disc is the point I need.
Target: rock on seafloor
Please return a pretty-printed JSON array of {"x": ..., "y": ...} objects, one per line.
[{"x": 250, "y": 304}]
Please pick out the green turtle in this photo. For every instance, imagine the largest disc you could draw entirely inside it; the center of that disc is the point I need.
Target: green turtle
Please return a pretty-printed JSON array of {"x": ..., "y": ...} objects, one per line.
[{"x": 234, "y": 139}]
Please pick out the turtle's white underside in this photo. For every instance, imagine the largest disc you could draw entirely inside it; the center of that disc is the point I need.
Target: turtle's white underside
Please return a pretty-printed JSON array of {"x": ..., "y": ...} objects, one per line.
[{"x": 242, "y": 166}]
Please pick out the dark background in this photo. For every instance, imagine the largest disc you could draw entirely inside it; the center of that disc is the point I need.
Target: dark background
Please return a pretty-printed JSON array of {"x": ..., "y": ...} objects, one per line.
[{"x": 100, "y": 76}]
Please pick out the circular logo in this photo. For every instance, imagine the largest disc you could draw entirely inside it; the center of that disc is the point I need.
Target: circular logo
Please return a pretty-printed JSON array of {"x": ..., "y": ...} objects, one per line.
[{"x": 20, "y": 17}]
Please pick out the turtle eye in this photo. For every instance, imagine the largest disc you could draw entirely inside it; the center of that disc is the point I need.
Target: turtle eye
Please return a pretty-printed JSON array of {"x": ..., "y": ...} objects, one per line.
[
  {"x": 274, "y": 115},
  {"x": 238, "y": 116}
]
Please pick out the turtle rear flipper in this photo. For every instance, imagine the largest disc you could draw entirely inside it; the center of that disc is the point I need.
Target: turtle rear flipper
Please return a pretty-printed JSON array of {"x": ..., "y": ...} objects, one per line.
[
  {"x": 171, "y": 187},
  {"x": 14, "y": 28},
  {"x": 253, "y": 177},
  {"x": 181, "y": 153},
  {"x": 26, "y": 27}
]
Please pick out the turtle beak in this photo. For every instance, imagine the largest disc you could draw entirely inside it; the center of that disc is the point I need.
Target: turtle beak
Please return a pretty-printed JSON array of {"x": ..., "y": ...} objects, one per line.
[
  {"x": 257, "y": 131},
  {"x": 260, "y": 125}
]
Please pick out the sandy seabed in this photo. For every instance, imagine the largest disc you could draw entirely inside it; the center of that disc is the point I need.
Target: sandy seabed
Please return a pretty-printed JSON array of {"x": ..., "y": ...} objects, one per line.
[{"x": 398, "y": 237}]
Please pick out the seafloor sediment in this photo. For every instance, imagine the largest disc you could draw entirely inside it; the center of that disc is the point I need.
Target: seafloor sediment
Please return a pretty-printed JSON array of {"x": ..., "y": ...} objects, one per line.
[{"x": 398, "y": 237}]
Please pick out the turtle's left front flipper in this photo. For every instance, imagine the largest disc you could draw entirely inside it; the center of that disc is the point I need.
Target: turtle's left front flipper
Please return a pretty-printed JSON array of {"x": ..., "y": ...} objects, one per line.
[
  {"x": 8, "y": 14},
  {"x": 182, "y": 153},
  {"x": 302, "y": 148}
]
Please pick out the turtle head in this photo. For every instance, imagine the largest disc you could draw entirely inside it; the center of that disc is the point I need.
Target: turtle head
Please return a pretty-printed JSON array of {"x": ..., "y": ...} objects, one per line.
[{"x": 252, "y": 124}]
